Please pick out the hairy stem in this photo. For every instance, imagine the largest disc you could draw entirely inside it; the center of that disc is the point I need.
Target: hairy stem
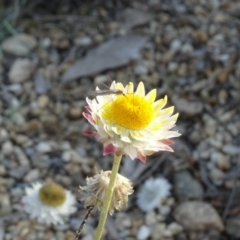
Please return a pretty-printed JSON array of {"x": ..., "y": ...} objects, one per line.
[{"x": 108, "y": 198}]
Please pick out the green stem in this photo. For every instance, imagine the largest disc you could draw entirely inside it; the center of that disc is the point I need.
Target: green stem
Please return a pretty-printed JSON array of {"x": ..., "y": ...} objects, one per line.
[{"x": 108, "y": 198}]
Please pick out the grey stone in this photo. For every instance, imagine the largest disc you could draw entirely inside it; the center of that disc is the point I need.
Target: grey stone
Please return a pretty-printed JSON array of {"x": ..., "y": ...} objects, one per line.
[
  {"x": 41, "y": 85},
  {"x": 32, "y": 175},
  {"x": 7, "y": 148},
  {"x": 231, "y": 149},
  {"x": 21, "y": 70},
  {"x": 19, "y": 45},
  {"x": 186, "y": 187},
  {"x": 5, "y": 204},
  {"x": 19, "y": 172},
  {"x": 190, "y": 108},
  {"x": 140, "y": 69},
  {"x": 16, "y": 88},
  {"x": 233, "y": 226},
  {"x": 198, "y": 216}
]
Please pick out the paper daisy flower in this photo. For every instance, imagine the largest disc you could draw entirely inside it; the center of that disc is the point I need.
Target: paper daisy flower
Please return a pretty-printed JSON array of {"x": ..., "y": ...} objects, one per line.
[
  {"x": 93, "y": 194},
  {"x": 152, "y": 193},
  {"x": 48, "y": 203},
  {"x": 131, "y": 123}
]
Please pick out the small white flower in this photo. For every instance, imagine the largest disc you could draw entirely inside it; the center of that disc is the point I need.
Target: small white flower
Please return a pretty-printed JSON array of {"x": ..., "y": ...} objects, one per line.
[
  {"x": 152, "y": 193},
  {"x": 48, "y": 203}
]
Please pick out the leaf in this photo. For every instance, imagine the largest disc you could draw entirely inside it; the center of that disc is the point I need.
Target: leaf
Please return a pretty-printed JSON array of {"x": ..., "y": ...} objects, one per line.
[{"x": 112, "y": 54}]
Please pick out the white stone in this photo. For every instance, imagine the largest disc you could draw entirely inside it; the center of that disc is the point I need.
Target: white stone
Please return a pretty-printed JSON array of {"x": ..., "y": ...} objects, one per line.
[
  {"x": 21, "y": 70},
  {"x": 175, "y": 45},
  {"x": 143, "y": 232},
  {"x": 83, "y": 41},
  {"x": 43, "y": 147}
]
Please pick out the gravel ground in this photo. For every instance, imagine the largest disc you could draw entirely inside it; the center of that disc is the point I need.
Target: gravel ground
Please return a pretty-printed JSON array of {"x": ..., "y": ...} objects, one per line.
[{"x": 189, "y": 50}]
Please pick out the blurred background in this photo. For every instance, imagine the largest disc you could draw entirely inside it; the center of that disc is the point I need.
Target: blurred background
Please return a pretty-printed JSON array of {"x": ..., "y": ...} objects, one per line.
[{"x": 54, "y": 52}]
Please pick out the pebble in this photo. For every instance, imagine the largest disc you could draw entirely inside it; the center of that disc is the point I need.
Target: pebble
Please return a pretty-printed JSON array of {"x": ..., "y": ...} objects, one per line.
[
  {"x": 71, "y": 155},
  {"x": 222, "y": 161},
  {"x": 19, "y": 45},
  {"x": 3, "y": 135},
  {"x": 217, "y": 175},
  {"x": 164, "y": 210},
  {"x": 172, "y": 67},
  {"x": 190, "y": 108},
  {"x": 3, "y": 171},
  {"x": 200, "y": 36},
  {"x": 187, "y": 48},
  {"x": 230, "y": 149},
  {"x": 16, "y": 88},
  {"x": 83, "y": 41},
  {"x": 32, "y": 175},
  {"x": 21, "y": 70},
  {"x": 7, "y": 148},
  {"x": 75, "y": 113},
  {"x": 20, "y": 172},
  {"x": 157, "y": 231},
  {"x": 150, "y": 218},
  {"x": 21, "y": 157},
  {"x": 43, "y": 147},
  {"x": 21, "y": 139},
  {"x": 233, "y": 226},
  {"x": 186, "y": 187},
  {"x": 143, "y": 232},
  {"x": 140, "y": 69},
  {"x": 176, "y": 45},
  {"x": 43, "y": 101},
  {"x": 175, "y": 228},
  {"x": 5, "y": 204},
  {"x": 198, "y": 216},
  {"x": 101, "y": 80},
  {"x": 41, "y": 84}
]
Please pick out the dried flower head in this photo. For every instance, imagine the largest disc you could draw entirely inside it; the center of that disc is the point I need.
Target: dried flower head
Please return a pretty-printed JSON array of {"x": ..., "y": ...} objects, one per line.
[
  {"x": 49, "y": 203},
  {"x": 95, "y": 191},
  {"x": 153, "y": 193},
  {"x": 131, "y": 123}
]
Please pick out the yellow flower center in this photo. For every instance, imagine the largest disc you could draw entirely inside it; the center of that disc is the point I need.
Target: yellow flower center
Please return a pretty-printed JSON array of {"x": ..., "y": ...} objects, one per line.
[
  {"x": 130, "y": 111},
  {"x": 52, "y": 194}
]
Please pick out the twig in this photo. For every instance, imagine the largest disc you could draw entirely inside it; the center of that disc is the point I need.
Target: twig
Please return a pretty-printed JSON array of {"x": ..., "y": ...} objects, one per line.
[
  {"x": 204, "y": 176},
  {"x": 78, "y": 232},
  {"x": 229, "y": 202},
  {"x": 148, "y": 173}
]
